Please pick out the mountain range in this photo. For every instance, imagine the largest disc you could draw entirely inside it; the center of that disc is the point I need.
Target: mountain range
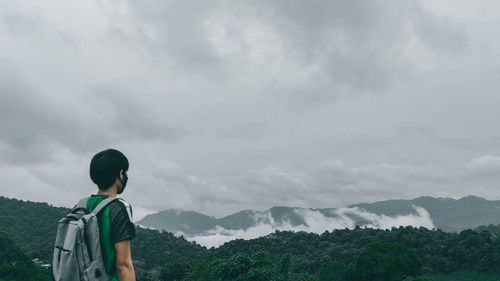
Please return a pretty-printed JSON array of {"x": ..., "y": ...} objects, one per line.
[
  {"x": 447, "y": 214},
  {"x": 31, "y": 226}
]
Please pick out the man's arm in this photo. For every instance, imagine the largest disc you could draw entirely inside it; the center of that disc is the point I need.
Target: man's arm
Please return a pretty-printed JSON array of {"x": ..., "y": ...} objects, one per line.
[{"x": 124, "y": 266}]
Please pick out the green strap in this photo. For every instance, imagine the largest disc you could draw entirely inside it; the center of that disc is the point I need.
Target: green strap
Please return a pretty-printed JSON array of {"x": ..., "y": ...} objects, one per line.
[
  {"x": 103, "y": 204},
  {"x": 107, "y": 247}
]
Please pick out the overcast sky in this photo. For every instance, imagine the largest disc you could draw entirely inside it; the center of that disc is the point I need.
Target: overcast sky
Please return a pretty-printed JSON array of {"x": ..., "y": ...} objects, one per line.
[{"x": 222, "y": 106}]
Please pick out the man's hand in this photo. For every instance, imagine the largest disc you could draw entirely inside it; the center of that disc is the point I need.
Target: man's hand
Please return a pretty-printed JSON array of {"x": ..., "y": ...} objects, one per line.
[{"x": 124, "y": 266}]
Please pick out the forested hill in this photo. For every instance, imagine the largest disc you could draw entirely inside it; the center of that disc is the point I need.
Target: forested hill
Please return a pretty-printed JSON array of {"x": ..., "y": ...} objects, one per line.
[
  {"x": 447, "y": 214},
  {"x": 32, "y": 226},
  {"x": 15, "y": 265},
  {"x": 285, "y": 255}
]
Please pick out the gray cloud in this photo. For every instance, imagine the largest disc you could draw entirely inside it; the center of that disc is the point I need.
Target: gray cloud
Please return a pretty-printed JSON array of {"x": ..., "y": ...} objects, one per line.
[
  {"x": 29, "y": 120},
  {"x": 226, "y": 105},
  {"x": 363, "y": 45}
]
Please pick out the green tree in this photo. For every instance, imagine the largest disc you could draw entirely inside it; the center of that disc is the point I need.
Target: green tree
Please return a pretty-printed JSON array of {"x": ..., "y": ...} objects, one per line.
[
  {"x": 284, "y": 265},
  {"x": 16, "y": 266},
  {"x": 174, "y": 272},
  {"x": 9, "y": 252},
  {"x": 387, "y": 262},
  {"x": 336, "y": 271}
]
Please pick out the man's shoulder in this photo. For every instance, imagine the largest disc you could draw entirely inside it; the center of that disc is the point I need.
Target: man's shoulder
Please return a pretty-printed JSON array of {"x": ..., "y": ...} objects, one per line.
[{"x": 120, "y": 206}]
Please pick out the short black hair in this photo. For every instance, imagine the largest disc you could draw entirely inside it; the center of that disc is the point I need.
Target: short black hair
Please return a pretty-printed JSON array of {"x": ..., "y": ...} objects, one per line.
[{"x": 105, "y": 167}]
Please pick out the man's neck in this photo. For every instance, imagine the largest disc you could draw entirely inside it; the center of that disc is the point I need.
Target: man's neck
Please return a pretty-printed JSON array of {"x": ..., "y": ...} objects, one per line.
[{"x": 110, "y": 191}]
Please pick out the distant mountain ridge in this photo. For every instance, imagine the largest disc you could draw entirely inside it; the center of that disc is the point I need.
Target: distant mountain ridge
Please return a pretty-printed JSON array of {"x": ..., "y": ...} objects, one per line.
[
  {"x": 193, "y": 223},
  {"x": 447, "y": 214}
]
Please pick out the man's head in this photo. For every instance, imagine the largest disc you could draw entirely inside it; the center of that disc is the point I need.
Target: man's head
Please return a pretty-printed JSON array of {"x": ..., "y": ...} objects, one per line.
[{"x": 107, "y": 167}]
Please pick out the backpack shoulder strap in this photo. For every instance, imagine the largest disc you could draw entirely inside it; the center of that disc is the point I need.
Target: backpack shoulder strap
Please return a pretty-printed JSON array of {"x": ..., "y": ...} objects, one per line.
[
  {"x": 128, "y": 208},
  {"x": 103, "y": 204},
  {"x": 82, "y": 203}
]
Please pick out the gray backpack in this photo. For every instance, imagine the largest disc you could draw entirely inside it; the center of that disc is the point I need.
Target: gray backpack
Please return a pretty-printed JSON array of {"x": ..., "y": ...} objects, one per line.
[{"x": 77, "y": 250}]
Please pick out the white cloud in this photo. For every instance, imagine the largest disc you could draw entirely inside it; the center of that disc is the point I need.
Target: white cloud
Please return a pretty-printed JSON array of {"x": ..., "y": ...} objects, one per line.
[
  {"x": 316, "y": 223},
  {"x": 140, "y": 212},
  {"x": 487, "y": 164}
]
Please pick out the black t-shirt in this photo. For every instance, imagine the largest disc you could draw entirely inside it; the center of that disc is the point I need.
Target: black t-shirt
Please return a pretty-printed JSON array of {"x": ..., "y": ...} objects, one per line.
[
  {"x": 121, "y": 226},
  {"x": 120, "y": 222}
]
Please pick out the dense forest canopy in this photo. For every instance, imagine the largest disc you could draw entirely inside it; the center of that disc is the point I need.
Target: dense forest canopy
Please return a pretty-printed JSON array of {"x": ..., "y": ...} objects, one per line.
[
  {"x": 345, "y": 254},
  {"x": 16, "y": 266}
]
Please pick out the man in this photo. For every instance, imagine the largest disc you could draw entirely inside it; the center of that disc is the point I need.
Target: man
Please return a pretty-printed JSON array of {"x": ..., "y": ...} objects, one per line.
[{"x": 108, "y": 170}]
